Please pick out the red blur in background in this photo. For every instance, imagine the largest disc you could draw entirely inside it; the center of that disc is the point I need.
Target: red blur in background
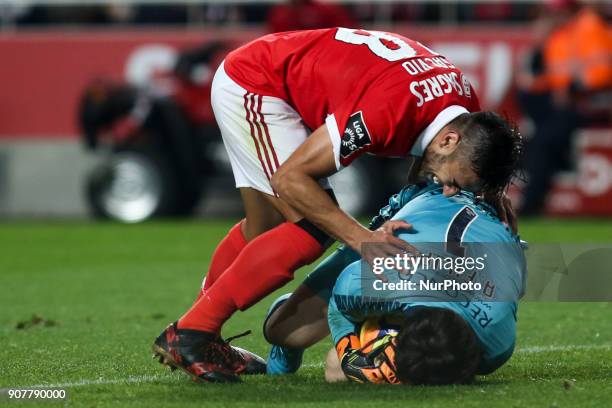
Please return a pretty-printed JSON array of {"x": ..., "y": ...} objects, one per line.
[{"x": 44, "y": 73}]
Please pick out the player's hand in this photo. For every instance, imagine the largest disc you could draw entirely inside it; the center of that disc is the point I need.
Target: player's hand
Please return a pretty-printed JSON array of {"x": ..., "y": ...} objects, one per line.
[
  {"x": 383, "y": 356},
  {"x": 393, "y": 226},
  {"x": 504, "y": 208},
  {"x": 382, "y": 243},
  {"x": 376, "y": 366},
  {"x": 353, "y": 362}
]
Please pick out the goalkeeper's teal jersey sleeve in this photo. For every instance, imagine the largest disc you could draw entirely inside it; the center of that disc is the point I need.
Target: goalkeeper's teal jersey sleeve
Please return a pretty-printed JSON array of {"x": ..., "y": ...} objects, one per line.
[
  {"x": 322, "y": 279},
  {"x": 348, "y": 307},
  {"x": 438, "y": 219}
]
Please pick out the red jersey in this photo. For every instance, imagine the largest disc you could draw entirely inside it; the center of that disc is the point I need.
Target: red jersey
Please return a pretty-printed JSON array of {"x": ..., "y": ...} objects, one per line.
[{"x": 377, "y": 92}]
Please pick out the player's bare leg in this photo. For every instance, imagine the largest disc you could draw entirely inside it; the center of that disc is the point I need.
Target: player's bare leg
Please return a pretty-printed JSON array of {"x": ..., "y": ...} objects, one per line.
[
  {"x": 261, "y": 213},
  {"x": 299, "y": 322},
  {"x": 294, "y": 322}
]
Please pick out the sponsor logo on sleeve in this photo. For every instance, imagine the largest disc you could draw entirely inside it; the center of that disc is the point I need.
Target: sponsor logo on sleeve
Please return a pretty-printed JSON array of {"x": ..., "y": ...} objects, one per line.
[
  {"x": 356, "y": 135},
  {"x": 467, "y": 89}
]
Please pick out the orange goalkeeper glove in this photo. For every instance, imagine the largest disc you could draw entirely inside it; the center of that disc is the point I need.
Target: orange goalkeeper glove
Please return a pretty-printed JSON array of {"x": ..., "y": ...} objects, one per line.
[{"x": 376, "y": 366}]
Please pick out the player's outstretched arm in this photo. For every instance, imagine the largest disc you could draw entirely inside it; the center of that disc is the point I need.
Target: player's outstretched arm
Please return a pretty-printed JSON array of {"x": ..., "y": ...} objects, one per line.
[{"x": 296, "y": 182}]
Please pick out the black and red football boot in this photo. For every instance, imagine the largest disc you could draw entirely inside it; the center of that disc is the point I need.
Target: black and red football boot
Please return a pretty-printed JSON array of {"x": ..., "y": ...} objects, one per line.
[{"x": 204, "y": 356}]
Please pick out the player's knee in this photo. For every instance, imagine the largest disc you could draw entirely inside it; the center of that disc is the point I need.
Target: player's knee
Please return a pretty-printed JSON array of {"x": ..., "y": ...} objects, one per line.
[
  {"x": 271, "y": 330},
  {"x": 281, "y": 181},
  {"x": 436, "y": 347},
  {"x": 274, "y": 329},
  {"x": 278, "y": 180},
  {"x": 277, "y": 334},
  {"x": 283, "y": 328}
]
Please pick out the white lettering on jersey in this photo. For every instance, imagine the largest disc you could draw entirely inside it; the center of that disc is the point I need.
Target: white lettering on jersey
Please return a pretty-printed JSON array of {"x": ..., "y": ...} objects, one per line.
[
  {"x": 375, "y": 40},
  {"x": 413, "y": 67},
  {"x": 437, "y": 86},
  {"x": 415, "y": 92},
  {"x": 417, "y": 66},
  {"x": 436, "y": 89}
]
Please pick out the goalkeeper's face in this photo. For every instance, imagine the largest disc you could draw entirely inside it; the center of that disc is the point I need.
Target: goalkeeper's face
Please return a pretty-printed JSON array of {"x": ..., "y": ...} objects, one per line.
[{"x": 436, "y": 346}]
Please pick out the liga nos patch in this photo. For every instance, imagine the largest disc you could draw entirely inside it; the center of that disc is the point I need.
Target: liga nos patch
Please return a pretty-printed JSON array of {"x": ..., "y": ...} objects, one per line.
[{"x": 356, "y": 135}]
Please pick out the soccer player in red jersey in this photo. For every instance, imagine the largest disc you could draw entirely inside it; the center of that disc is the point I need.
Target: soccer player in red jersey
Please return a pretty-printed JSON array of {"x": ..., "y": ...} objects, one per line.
[{"x": 293, "y": 109}]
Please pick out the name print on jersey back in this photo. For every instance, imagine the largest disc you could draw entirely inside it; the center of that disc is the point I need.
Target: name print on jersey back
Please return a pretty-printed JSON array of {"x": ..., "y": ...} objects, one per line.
[{"x": 436, "y": 85}]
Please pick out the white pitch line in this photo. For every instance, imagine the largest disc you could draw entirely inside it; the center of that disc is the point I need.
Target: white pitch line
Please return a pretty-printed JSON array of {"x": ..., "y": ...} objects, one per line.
[
  {"x": 546, "y": 349},
  {"x": 164, "y": 378},
  {"x": 103, "y": 381},
  {"x": 314, "y": 365}
]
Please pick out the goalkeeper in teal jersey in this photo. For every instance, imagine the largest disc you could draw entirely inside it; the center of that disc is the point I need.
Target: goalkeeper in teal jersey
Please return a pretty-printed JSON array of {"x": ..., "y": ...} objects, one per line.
[{"x": 447, "y": 335}]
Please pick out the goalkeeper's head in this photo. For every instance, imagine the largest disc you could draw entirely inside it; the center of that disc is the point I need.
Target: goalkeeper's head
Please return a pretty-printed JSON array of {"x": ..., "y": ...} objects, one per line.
[{"x": 436, "y": 346}]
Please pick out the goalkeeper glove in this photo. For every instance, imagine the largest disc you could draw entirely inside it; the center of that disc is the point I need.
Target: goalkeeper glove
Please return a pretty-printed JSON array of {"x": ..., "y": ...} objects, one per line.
[{"x": 376, "y": 366}]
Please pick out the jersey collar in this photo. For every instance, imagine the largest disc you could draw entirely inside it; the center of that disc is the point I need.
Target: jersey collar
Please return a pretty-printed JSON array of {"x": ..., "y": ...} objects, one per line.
[
  {"x": 427, "y": 135},
  {"x": 470, "y": 197}
]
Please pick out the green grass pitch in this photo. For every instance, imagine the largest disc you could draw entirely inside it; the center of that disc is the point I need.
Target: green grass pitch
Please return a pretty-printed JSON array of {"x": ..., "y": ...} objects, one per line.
[{"x": 109, "y": 289}]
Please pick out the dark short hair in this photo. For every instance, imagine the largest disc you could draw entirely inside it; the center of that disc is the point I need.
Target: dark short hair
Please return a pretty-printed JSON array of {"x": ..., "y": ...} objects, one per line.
[
  {"x": 492, "y": 145},
  {"x": 436, "y": 346}
]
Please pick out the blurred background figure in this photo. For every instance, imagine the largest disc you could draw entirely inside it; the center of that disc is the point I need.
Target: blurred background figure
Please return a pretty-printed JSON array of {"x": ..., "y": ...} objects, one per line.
[
  {"x": 566, "y": 73},
  {"x": 307, "y": 15},
  {"x": 157, "y": 140}
]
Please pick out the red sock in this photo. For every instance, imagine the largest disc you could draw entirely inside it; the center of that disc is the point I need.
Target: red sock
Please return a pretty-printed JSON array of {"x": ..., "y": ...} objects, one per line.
[
  {"x": 225, "y": 253},
  {"x": 265, "y": 264}
]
